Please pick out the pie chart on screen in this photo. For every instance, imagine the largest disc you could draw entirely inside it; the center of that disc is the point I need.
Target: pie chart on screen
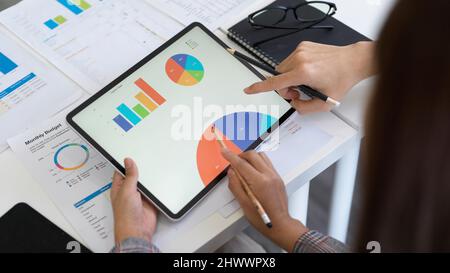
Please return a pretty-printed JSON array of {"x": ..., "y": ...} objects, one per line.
[
  {"x": 238, "y": 131},
  {"x": 185, "y": 70}
]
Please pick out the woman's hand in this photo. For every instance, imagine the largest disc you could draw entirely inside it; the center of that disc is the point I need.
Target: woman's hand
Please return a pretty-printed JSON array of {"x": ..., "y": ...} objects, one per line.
[
  {"x": 330, "y": 69},
  {"x": 266, "y": 184},
  {"x": 133, "y": 216}
]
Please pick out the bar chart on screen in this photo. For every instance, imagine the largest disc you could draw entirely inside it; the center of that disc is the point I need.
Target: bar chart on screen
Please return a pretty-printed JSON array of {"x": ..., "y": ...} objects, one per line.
[
  {"x": 91, "y": 41},
  {"x": 147, "y": 101}
]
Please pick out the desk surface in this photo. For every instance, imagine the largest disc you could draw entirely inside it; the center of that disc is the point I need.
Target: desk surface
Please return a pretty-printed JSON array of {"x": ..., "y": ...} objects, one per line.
[{"x": 18, "y": 186}]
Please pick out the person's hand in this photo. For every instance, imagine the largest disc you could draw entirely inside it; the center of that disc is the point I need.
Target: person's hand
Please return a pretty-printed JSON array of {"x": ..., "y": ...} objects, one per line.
[
  {"x": 330, "y": 69},
  {"x": 134, "y": 217},
  {"x": 268, "y": 187}
]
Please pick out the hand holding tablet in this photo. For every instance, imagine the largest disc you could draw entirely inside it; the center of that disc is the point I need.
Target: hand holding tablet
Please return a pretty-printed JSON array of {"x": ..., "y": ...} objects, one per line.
[{"x": 151, "y": 114}]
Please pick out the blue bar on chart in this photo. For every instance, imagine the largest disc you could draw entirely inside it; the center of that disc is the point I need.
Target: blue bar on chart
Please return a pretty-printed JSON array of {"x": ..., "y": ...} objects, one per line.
[
  {"x": 17, "y": 85},
  {"x": 55, "y": 22},
  {"x": 129, "y": 114},
  {"x": 93, "y": 195},
  {"x": 71, "y": 6},
  {"x": 149, "y": 100},
  {"x": 51, "y": 24},
  {"x": 123, "y": 123},
  {"x": 6, "y": 64}
]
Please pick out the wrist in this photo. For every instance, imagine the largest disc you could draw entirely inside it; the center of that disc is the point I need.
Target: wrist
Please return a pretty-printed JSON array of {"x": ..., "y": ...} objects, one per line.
[
  {"x": 124, "y": 234},
  {"x": 287, "y": 233},
  {"x": 363, "y": 60}
]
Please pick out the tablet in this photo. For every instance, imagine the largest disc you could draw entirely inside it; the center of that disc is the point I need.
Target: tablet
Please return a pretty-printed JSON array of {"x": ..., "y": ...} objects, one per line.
[{"x": 161, "y": 111}]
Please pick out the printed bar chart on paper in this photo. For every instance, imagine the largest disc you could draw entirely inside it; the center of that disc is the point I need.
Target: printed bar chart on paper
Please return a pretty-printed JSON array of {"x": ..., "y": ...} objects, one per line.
[
  {"x": 16, "y": 86},
  {"x": 55, "y": 22},
  {"x": 211, "y": 13},
  {"x": 29, "y": 90},
  {"x": 148, "y": 100},
  {"x": 75, "y": 8},
  {"x": 91, "y": 41},
  {"x": 6, "y": 64},
  {"x": 92, "y": 196}
]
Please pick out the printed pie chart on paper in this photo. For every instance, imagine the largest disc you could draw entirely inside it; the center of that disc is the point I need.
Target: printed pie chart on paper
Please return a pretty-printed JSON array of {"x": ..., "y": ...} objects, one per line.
[
  {"x": 185, "y": 70},
  {"x": 71, "y": 157}
]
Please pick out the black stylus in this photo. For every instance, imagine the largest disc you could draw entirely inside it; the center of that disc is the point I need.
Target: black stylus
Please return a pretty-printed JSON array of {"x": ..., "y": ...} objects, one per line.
[{"x": 305, "y": 89}]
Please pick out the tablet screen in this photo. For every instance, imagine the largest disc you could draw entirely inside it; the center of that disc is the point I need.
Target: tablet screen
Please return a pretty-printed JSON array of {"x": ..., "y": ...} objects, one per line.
[{"x": 161, "y": 116}]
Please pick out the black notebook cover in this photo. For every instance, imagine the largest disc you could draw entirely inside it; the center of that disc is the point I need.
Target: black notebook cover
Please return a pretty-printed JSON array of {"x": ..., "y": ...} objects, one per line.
[
  {"x": 274, "y": 52},
  {"x": 24, "y": 230}
]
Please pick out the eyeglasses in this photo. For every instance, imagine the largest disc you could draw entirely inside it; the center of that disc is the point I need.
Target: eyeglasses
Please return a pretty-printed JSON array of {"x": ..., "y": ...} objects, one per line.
[{"x": 308, "y": 15}]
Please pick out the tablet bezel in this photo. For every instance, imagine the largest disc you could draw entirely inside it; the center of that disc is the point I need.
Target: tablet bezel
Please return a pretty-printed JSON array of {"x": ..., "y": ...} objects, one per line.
[{"x": 119, "y": 167}]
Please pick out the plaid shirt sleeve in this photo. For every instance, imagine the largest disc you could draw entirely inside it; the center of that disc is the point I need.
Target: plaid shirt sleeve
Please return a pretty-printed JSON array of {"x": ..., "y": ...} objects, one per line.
[
  {"x": 311, "y": 242},
  {"x": 135, "y": 245},
  {"x": 315, "y": 242}
]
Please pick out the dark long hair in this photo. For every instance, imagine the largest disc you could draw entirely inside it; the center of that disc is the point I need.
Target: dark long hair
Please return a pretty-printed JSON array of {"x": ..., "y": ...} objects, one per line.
[{"x": 406, "y": 171}]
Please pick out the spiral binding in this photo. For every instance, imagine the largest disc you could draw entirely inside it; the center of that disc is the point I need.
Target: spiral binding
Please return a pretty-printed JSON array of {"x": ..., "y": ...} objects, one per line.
[{"x": 255, "y": 51}]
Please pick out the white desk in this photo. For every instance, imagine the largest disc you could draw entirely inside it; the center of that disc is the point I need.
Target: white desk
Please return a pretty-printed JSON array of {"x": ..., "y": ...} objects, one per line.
[{"x": 18, "y": 186}]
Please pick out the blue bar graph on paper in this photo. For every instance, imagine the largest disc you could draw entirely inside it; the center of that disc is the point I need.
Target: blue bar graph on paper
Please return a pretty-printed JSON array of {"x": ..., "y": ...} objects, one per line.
[
  {"x": 129, "y": 114},
  {"x": 17, "y": 85},
  {"x": 123, "y": 123},
  {"x": 71, "y": 6},
  {"x": 51, "y": 24},
  {"x": 92, "y": 196},
  {"x": 6, "y": 64}
]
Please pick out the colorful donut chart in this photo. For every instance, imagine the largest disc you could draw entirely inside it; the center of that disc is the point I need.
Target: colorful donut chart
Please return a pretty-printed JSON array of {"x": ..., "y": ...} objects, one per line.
[{"x": 56, "y": 158}]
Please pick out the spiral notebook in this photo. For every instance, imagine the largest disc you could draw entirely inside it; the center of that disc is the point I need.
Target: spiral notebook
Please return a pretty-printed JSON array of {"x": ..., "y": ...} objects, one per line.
[{"x": 275, "y": 51}]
